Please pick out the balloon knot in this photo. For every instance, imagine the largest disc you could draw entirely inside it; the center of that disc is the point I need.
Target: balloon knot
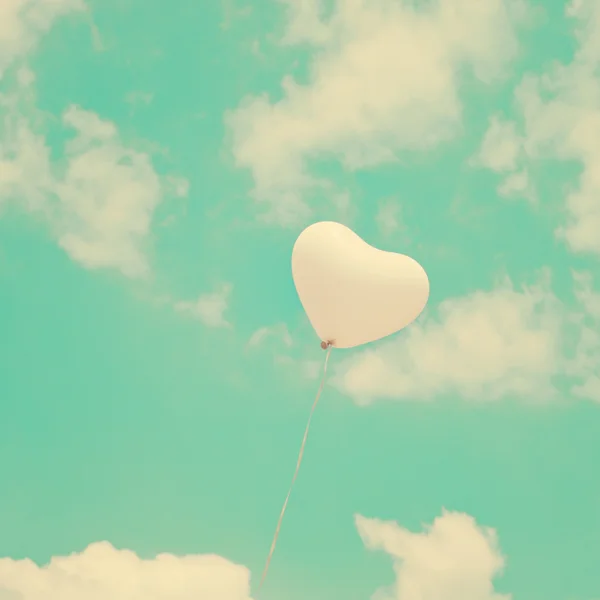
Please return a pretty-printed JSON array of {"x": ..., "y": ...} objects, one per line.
[{"x": 326, "y": 345}]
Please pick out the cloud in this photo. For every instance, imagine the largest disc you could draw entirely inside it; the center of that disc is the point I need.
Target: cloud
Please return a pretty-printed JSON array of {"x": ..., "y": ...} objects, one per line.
[
  {"x": 389, "y": 218},
  {"x": 502, "y": 151},
  {"x": 584, "y": 363},
  {"x": 25, "y": 173},
  {"x": 99, "y": 197},
  {"x": 560, "y": 111},
  {"x": 23, "y": 22},
  {"x": 518, "y": 184},
  {"x": 501, "y": 146},
  {"x": 383, "y": 80},
  {"x": 107, "y": 195},
  {"x": 138, "y": 97},
  {"x": 279, "y": 333},
  {"x": 209, "y": 308},
  {"x": 102, "y": 572},
  {"x": 453, "y": 559}
]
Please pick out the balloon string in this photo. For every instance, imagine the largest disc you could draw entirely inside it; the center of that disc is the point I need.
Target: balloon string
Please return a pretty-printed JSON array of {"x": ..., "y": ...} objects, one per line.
[{"x": 298, "y": 462}]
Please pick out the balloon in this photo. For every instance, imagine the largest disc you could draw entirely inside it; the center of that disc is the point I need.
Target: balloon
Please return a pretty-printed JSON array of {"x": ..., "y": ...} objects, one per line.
[{"x": 351, "y": 292}]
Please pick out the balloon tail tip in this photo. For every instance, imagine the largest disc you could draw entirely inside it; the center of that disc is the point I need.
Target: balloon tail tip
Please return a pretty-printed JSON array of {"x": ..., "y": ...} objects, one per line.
[{"x": 327, "y": 344}]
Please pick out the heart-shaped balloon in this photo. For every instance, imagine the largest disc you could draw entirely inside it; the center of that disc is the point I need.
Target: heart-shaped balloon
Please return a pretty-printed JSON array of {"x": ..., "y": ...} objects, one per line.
[{"x": 353, "y": 293}]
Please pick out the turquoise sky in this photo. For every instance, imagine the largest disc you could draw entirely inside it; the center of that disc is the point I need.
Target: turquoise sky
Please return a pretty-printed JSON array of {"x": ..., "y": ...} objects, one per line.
[{"x": 158, "y": 161}]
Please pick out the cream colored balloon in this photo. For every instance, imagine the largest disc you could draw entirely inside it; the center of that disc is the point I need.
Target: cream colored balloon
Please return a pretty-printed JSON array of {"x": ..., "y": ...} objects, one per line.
[{"x": 351, "y": 292}]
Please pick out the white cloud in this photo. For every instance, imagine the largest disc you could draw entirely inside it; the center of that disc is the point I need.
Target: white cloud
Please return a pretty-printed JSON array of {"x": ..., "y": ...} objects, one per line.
[
  {"x": 453, "y": 559},
  {"x": 584, "y": 365},
  {"x": 305, "y": 22},
  {"x": 383, "y": 80},
  {"x": 517, "y": 184},
  {"x": 139, "y": 97},
  {"x": 560, "y": 110},
  {"x": 389, "y": 217},
  {"x": 501, "y": 146},
  {"x": 100, "y": 199},
  {"x": 23, "y": 22},
  {"x": 209, "y": 308},
  {"x": 279, "y": 333},
  {"x": 502, "y": 151},
  {"x": 101, "y": 572},
  {"x": 107, "y": 195},
  {"x": 25, "y": 173}
]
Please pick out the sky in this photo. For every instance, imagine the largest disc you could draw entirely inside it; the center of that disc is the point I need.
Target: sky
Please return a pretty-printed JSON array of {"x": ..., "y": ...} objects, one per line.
[{"x": 158, "y": 161}]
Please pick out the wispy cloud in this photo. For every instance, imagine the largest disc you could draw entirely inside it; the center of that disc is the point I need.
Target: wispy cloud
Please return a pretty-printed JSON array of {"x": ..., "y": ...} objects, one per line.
[
  {"x": 560, "y": 112},
  {"x": 209, "y": 308},
  {"x": 278, "y": 333},
  {"x": 139, "y": 98},
  {"x": 23, "y": 22},
  {"x": 370, "y": 96},
  {"x": 99, "y": 200},
  {"x": 389, "y": 217}
]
